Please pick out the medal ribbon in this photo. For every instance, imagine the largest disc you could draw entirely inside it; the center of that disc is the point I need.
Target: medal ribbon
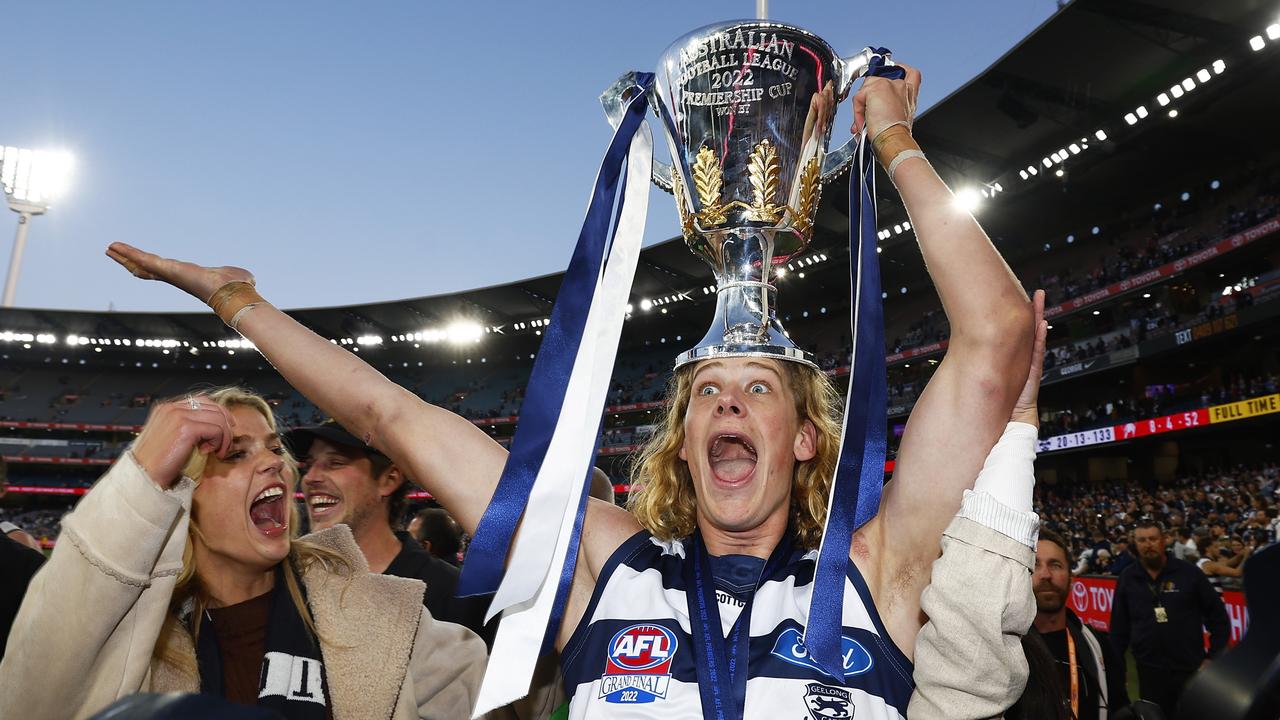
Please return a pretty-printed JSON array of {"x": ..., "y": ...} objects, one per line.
[
  {"x": 859, "y": 480},
  {"x": 1075, "y": 676},
  {"x": 722, "y": 662}
]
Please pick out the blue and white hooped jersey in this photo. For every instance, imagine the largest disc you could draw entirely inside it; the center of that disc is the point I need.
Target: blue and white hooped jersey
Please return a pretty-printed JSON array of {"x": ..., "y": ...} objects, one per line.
[{"x": 632, "y": 657}]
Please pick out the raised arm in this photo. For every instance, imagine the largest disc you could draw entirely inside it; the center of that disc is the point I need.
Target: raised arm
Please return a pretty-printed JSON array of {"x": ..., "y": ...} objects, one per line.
[
  {"x": 963, "y": 409},
  {"x": 969, "y": 660},
  {"x": 452, "y": 458}
]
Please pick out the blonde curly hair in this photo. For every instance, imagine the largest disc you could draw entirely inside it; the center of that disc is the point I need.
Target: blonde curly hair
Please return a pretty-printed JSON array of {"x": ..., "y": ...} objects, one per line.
[{"x": 663, "y": 499}]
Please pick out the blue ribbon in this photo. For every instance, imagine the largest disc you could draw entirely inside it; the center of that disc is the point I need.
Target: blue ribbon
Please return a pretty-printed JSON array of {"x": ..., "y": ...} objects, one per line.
[
  {"x": 571, "y": 556},
  {"x": 859, "y": 477},
  {"x": 544, "y": 400}
]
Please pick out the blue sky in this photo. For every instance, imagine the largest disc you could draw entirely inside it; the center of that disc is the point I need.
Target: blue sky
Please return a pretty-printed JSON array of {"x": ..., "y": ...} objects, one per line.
[{"x": 358, "y": 152}]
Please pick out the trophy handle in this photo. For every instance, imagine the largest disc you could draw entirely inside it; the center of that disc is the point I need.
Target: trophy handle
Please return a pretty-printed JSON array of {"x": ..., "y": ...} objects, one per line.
[
  {"x": 614, "y": 100},
  {"x": 850, "y": 68}
]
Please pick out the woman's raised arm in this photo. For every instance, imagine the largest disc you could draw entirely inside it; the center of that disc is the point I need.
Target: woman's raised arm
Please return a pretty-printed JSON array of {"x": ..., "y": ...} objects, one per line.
[{"x": 452, "y": 458}]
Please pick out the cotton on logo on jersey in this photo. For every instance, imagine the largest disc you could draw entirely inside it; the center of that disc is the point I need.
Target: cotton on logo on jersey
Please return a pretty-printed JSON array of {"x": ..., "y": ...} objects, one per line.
[{"x": 639, "y": 666}]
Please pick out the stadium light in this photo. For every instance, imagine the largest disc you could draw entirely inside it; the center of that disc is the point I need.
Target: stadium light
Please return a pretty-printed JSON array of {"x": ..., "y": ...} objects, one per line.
[
  {"x": 968, "y": 199},
  {"x": 1273, "y": 31},
  {"x": 1257, "y": 43},
  {"x": 1163, "y": 99},
  {"x": 1101, "y": 135},
  {"x": 1173, "y": 113},
  {"x": 1219, "y": 66},
  {"x": 31, "y": 179},
  {"x": 1131, "y": 118},
  {"x": 1203, "y": 75},
  {"x": 1177, "y": 91}
]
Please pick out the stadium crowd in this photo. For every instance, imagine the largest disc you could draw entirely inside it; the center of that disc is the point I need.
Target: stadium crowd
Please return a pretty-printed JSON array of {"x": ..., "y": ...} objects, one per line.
[{"x": 1221, "y": 514}]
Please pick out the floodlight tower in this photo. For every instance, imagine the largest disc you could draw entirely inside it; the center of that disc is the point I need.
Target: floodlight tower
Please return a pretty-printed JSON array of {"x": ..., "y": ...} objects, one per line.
[{"x": 31, "y": 179}]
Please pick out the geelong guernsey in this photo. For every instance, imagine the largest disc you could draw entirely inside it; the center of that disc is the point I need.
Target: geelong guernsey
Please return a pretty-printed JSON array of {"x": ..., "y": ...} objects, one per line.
[{"x": 632, "y": 657}]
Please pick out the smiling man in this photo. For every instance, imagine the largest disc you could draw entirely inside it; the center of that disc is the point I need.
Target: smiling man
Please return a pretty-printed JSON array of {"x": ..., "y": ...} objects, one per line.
[{"x": 349, "y": 482}]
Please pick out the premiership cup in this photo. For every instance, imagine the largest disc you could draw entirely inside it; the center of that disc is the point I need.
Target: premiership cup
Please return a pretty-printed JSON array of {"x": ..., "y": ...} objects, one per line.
[{"x": 746, "y": 108}]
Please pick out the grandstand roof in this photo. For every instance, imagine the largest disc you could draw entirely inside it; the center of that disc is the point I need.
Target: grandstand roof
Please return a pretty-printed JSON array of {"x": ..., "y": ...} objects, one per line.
[{"x": 1080, "y": 71}]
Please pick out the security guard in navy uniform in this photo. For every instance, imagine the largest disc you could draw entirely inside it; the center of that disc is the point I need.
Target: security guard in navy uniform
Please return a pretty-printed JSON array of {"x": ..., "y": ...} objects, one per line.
[{"x": 1160, "y": 605}]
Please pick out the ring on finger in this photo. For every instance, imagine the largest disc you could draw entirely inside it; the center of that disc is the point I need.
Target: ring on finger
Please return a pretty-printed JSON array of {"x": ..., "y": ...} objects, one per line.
[{"x": 193, "y": 403}]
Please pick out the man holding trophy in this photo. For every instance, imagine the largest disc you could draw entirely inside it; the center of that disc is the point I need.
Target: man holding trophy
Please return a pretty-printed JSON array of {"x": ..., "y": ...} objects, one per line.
[{"x": 696, "y": 600}]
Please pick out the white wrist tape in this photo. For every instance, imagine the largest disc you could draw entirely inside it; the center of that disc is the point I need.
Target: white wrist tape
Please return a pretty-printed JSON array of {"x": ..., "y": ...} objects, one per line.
[
  {"x": 900, "y": 158},
  {"x": 1008, "y": 475}
]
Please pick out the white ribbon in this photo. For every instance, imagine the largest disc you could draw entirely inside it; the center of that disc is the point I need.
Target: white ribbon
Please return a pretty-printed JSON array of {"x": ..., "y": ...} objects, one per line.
[{"x": 529, "y": 586}]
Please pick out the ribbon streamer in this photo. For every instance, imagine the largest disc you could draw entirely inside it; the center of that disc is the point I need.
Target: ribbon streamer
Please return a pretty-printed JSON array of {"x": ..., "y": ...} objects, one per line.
[
  {"x": 859, "y": 480},
  {"x": 554, "y": 446}
]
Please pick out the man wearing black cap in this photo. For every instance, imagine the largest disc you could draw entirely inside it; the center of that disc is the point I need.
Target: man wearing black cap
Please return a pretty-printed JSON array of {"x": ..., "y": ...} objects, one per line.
[{"x": 349, "y": 482}]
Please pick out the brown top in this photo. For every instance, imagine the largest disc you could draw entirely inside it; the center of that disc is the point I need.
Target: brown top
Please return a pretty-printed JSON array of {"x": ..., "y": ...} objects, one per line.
[{"x": 242, "y": 638}]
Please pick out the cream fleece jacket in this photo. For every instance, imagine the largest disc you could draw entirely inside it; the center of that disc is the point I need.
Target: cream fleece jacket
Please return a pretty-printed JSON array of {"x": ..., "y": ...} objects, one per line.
[
  {"x": 87, "y": 627},
  {"x": 969, "y": 663}
]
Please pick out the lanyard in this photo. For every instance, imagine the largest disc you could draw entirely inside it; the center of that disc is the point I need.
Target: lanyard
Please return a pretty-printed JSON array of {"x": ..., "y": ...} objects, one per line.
[
  {"x": 1075, "y": 676},
  {"x": 721, "y": 662},
  {"x": 1153, "y": 588}
]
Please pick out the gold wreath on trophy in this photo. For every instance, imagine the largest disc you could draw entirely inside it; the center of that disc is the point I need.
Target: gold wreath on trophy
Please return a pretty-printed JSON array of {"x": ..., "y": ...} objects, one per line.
[
  {"x": 810, "y": 191},
  {"x": 686, "y": 219},
  {"x": 708, "y": 180},
  {"x": 765, "y": 175}
]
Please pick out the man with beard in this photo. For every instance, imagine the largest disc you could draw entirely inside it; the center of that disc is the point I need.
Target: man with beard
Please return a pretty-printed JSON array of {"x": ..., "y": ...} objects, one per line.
[
  {"x": 1160, "y": 605},
  {"x": 1092, "y": 674},
  {"x": 349, "y": 482}
]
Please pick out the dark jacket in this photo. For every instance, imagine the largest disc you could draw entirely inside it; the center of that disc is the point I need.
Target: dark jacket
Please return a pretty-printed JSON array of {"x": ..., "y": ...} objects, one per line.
[
  {"x": 1117, "y": 695},
  {"x": 442, "y": 582},
  {"x": 18, "y": 563},
  {"x": 1189, "y": 602}
]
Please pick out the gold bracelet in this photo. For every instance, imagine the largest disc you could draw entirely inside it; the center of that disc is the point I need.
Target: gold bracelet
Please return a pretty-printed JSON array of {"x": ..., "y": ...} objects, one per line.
[
  {"x": 224, "y": 293},
  {"x": 889, "y": 143},
  {"x": 231, "y": 298}
]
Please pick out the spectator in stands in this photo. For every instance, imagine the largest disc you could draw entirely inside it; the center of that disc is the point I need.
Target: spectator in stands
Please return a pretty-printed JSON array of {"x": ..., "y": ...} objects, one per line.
[
  {"x": 1093, "y": 680},
  {"x": 18, "y": 535},
  {"x": 187, "y": 578},
  {"x": 1158, "y": 610},
  {"x": 1121, "y": 558},
  {"x": 1184, "y": 547},
  {"x": 438, "y": 533},
  {"x": 1224, "y": 565},
  {"x": 348, "y": 482}
]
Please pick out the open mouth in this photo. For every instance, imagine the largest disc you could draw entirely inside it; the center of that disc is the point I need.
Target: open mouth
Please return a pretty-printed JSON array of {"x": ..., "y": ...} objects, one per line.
[
  {"x": 733, "y": 458},
  {"x": 268, "y": 511},
  {"x": 322, "y": 504}
]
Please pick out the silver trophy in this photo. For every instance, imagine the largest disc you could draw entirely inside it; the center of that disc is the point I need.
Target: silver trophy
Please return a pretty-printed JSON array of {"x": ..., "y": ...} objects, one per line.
[{"x": 746, "y": 107}]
